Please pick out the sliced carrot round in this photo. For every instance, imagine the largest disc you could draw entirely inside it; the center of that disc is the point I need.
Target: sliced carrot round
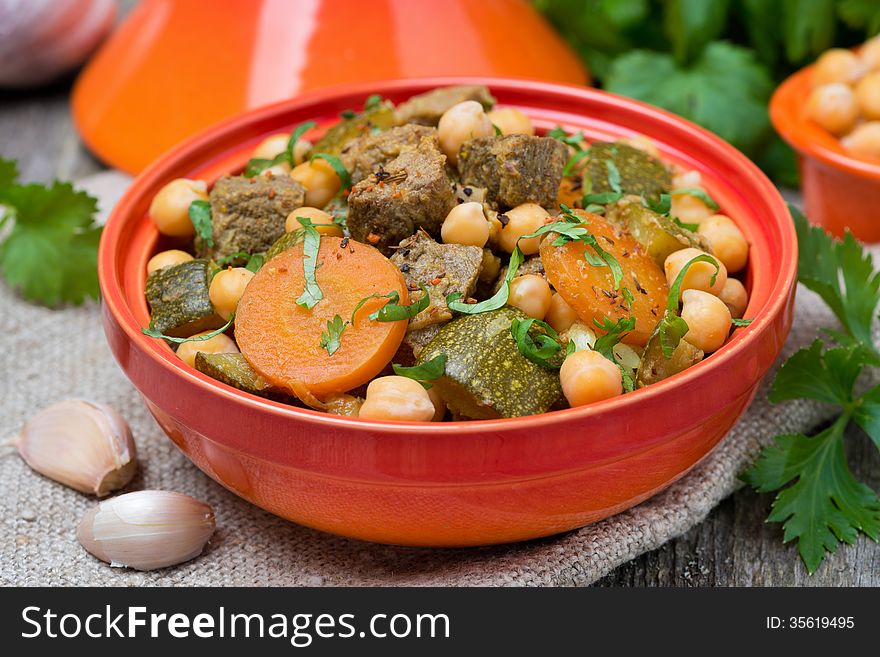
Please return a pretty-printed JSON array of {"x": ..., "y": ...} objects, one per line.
[
  {"x": 590, "y": 289},
  {"x": 282, "y": 340}
]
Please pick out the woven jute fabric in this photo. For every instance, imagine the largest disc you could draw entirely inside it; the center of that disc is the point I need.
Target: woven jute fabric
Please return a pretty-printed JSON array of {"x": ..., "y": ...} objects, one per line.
[{"x": 49, "y": 355}]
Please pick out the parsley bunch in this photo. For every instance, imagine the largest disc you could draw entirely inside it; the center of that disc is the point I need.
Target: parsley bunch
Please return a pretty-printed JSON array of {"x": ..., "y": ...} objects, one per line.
[
  {"x": 48, "y": 240},
  {"x": 820, "y": 502}
]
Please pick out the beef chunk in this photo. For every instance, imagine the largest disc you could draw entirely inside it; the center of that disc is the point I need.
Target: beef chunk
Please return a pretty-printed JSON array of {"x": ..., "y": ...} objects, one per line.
[
  {"x": 413, "y": 343},
  {"x": 367, "y": 154},
  {"x": 514, "y": 169},
  {"x": 248, "y": 214},
  {"x": 442, "y": 268},
  {"x": 532, "y": 265},
  {"x": 413, "y": 193},
  {"x": 427, "y": 108}
]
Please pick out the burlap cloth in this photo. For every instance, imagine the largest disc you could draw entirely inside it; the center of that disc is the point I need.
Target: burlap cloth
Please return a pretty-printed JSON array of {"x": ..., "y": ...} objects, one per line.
[{"x": 48, "y": 355}]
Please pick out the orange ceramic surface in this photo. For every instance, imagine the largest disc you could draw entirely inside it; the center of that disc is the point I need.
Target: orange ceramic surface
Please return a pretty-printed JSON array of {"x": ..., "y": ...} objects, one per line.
[
  {"x": 455, "y": 483},
  {"x": 175, "y": 67},
  {"x": 840, "y": 191}
]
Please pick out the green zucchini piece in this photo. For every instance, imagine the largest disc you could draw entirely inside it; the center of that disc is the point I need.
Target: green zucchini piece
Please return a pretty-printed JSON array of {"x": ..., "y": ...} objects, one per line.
[
  {"x": 655, "y": 367},
  {"x": 659, "y": 234},
  {"x": 286, "y": 241},
  {"x": 640, "y": 173},
  {"x": 486, "y": 376},
  {"x": 235, "y": 371},
  {"x": 380, "y": 117},
  {"x": 179, "y": 301}
]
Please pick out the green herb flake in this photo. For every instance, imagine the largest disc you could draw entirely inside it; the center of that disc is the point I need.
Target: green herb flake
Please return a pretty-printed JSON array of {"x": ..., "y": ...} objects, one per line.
[
  {"x": 576, "y": 139},
  {"x": 428, "y": 371},
  {"x": 373, "y": 101},
  {"x": 672, "y": 328},
  {"x": 739, "y": 323},
  {"x": 392, "y": 311},
  {"x": 330, "y": 340},
  {"x": 497, "y": 300},
  {"x": 573, "y": 161},
  {"x": 311, "y": 245},
  {"x": 538, "y": 342},
  {"x": 200, "y": 216}
]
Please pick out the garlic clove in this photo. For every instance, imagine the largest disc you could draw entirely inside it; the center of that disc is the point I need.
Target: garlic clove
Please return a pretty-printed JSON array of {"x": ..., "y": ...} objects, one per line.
[
  {"x": 85, "y": 445},
  {"x": 146, "y": 530}
]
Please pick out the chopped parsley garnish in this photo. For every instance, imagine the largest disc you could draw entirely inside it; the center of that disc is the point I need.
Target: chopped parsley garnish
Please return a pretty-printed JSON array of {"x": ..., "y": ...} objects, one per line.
[
  {"x": 372, "y": 101},
  {"x": 253, "y": 262},
  {"x": 200, "y": 216},
  {"x": 311, "y": 245},
  {"x": 614, "y": 333},
  {"x": 560, "y": 134},
  {"x": 195, "y": 338},
  {"x": 428, "y": 371},
  {"x": 672, "y": 328},
  {"x": 537, "y": 341},
  {"x": 497, "y": 300},
  {"x": 257, "y": 165},
  {"x": 392, "y": 311},
  {"x": 741, "y": 322},
  {"x": 338, "y": 167},
  {"x": 330, "y": 340},
  {"x": 573, "y": 161}
]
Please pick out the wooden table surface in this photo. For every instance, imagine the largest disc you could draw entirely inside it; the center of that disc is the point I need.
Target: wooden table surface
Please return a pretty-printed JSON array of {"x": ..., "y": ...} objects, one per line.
[{"x": 733, "y": 547}]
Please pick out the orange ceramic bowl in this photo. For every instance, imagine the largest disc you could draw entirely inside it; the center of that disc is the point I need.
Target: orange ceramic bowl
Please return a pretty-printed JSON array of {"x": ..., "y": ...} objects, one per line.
[
  {"x": 840, "y": 191},
  {"x": 455, "y": 483}
]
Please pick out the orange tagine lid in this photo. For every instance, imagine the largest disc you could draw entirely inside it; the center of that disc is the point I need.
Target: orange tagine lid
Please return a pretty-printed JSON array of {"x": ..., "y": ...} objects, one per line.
[{"x": 176, "y": 66}]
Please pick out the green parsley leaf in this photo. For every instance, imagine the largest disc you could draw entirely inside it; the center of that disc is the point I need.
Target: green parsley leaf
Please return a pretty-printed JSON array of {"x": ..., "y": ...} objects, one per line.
[
  {"x": 864, "y": 14},
  {"x": 372, "y": 101},
  {"x": 393, "y": 311},
  {"x": 826, "y": 504},
  {"x": 255, "y": 262},
  {"x": 347, "y": 114},
  {"x": 672, "y": 328},
  {"x": 256, "y": 165},
  {"x": 710, "y": 202},
  {"x": 602, "y": 199},
  {"x": 498, "y": 299},
  {"x": 614, "y": 333},
  {"x": 573, "y": 161},
  {"x": 741, "y": 322},
  {"x": 560, "y": 134},
  {"x": 428, "y": 371},
  {"x": 691, "y": 227},
  {"x": 827, "y": 376},
  {"x": 537, "y": 341},
  {"x": 675, "y": 289},
  {"x": 200, "y": 216},
  {"x": 613, "y": 176},
  {"x": 311, "y": 245},
  {"x": 330, "y": 340},
  {"x": 724, "y": 89},
  {"x": 196, "y": 338},
  {"x": 51, "y": 250},
  {"x": 691, "y": 24},
  {"x": 338, "y": 167},
  {"x": 842, "y": 273},
  {"x": 497, "y": 130},
  {"x": 866, "y": 412},
  {"x": 662, "y": 205},
  {"x": 295, "y": 136}
]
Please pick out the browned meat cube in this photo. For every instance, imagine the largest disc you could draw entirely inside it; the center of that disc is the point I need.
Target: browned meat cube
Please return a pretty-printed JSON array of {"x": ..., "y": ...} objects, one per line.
[
  {"x": 532, "y": 265},
  {"x": 427, "y": 108},
  {"x": 442, "y": 268},
  {"x": 514, "y": 169},
  {"x": 248, "y": 214},
  {"x": 370, "y": 153},
  {"x": 413, "y": 343},
  {"x": 412, "y": 192}
]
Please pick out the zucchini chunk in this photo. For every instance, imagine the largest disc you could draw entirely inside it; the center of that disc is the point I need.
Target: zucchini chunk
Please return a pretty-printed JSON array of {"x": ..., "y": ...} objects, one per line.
[
  {"x": 640, "y": 173},
  {"x": 380, "y": 117},
  {"x": 179, "y": 301},
  {"x": 235, "y": 371},
  {"x": 655, "y": 367},
  {"x": 486, "y": 376}
]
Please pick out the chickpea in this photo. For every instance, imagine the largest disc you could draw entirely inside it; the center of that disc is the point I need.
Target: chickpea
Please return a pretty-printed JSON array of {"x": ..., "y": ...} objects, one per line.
[
  {"x": 494, "y": 226},
  {"x": 323, "y": 221},
  {"x": 834, "y": 107},
  {"x": 466, "y": 224},
  {"x": 870, "y": 54},
  {"x": 686, "y": 179},
  {"x": 226, "y": 289},
  {"x": 531, "y": 294},
  {"x": 460, "y": 123},
  {"x": 511, "y": 121},
  {"x": 276, "y": 170},
  {"x": 166, "y": 259},
  {"x": 688, "y": 208},
  {"x": 837, "y": 65},
  {"x": 864, "y": 140},
  {"x": 271, "y": 146},
  {"x": 645, "y": 144},
  {"x": 219, "y": 344},
  {"x": 169, "y": 209},
  {"x": 735, "y": 297},
  {"x": 560, "y": 315},
  {"x": 397, "y": 398},
  {"x": 320, "y": 181},
  {"x": 522, "y": 220},
  {"x": 868, "y": 96},
  {"x": 727, "y": 241},
  {"x": 708, "y": 320},
  {"x": 439, "y": 404},
  {"x": 587, "y": 376},
  {"x": 699, "y": 275},
  {"x": 301, "y": 151}
]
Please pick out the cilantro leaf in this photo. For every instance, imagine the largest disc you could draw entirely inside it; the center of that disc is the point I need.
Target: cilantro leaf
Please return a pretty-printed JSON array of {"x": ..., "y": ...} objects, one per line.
[
  {"x": 811, "y": 373},
  {"x": 428, "y": 371},
  {"x": 842, "y": 273},
  {"x": 725, "y": 89},
  {"x": 200, "y": 216},
  {"x": 537, "y": 341},
  {"x": 392, "y": 311},
  {"x": 311, "y": 245},
  {"x": 50, "y": 253},
  {"x": 826, "y": 504},
  {"x": 710, "y": 202},
  {"x": 338, "y": 167},
  {"x": 576, "y": 139},
  {"x": 498, "y": 299},
  {"x": 614, "y": 333},
  {"x": 866, "y": 412},
  {"x": 295, "y": 136},
  {"x": 330, "y": 340},
  {"x": 741, "y": 322}
]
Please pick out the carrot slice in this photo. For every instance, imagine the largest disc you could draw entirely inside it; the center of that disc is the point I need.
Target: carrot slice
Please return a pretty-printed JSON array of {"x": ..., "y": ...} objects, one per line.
[
  {"x": 590, "y": 290},
  {"x": 282, "y": 340}
]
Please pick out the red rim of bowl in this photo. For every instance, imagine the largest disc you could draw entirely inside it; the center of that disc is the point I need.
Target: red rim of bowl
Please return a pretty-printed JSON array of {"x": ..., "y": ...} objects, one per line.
[
  {"x": 114, "y": 295},
  {"x": 807, "y": 137}
]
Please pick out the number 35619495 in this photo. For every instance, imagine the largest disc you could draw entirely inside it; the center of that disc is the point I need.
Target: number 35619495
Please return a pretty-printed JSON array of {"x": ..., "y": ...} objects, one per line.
[{"x": 810, "y": 622}]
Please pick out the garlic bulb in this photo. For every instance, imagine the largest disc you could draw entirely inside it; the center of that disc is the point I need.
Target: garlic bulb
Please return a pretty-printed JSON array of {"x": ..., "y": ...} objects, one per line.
[
  {"x": 146, "y": 530},
  {"x": 82, "y": 444}
]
